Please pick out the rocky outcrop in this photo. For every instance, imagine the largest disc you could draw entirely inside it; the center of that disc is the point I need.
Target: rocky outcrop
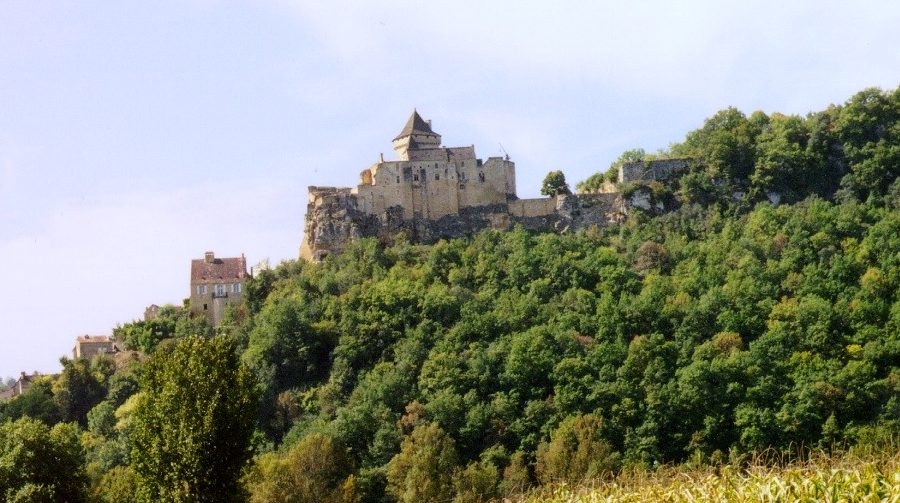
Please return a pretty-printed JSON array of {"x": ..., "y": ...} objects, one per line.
[{"x": 333, "y": 220}]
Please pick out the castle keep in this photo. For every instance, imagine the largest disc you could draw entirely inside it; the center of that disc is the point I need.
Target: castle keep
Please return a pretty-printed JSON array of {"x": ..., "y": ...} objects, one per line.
[
  {"x": 433, "y": 192},
  {"x": 430, "y": 181}
]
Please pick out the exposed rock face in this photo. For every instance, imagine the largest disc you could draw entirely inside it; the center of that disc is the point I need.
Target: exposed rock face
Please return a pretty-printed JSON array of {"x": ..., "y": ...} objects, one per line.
[
  {"x": 333, "y": 220},
  {"x": 660, "y": 170}
]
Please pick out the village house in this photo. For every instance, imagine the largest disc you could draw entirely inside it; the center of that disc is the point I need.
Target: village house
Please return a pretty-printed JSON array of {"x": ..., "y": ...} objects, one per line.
[
  {"x": 88, "y": 346},
  {"x": 22, "y": 384},
  {"x": 215, "y": 284}
]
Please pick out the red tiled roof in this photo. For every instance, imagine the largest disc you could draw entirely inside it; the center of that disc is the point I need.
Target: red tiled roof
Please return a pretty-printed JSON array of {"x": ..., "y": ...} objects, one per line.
[{"x": 219, "y": 269}]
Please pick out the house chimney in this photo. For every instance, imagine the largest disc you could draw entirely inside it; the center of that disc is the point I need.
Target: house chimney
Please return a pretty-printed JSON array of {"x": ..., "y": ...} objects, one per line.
[{"x": 209, "y": 257}]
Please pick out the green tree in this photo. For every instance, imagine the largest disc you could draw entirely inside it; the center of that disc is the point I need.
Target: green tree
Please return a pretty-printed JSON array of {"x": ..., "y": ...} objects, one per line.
[
  {"x": 39, "y": 463},
  {"x": 118, "y": 485},
  {"x": 576, "y": 452},
  {"x": 36, "y": 403},
  {"x": 423, "y": 470},
  {"x": 555, "y": 184},
  {"x": 315, "y": 470},
  {"x": 476, "y": 483},
  {"x": 591, "y": 184},
  {"x": 81, "y": 386},
  {"x": 725, "y": 143},
  {"x": 516, "y": 477},
  {"x": 193, "y": 423},
  {"x": 101, "y": 420}
]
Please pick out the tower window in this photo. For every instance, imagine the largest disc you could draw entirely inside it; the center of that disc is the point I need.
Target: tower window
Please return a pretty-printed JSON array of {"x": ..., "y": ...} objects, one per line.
[
  {"x": 398, "y": 179},
  {"x": 437, "y": 176},
  {"x": 415, "y": 178}
]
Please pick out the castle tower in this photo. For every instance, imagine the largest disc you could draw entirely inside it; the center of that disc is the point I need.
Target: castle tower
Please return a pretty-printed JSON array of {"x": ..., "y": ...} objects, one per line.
[{"x": 416, "y": 135}]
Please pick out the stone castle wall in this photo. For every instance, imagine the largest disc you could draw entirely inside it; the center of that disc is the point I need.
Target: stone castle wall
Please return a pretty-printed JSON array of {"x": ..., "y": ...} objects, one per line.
[
  {"x": 333, "y": 222},
  {"x": 530, "y": 208},
  {"x": 435, "y": 192}
]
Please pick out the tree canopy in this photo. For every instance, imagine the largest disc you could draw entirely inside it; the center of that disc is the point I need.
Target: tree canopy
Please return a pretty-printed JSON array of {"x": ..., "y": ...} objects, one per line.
[
  {"x": 472, "y": 369},
  {"x": 192, "y": 427}
]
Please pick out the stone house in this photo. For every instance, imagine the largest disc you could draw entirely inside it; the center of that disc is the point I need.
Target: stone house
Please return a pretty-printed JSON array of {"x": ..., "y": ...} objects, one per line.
[
  {"x": 87, "y": 346},
  {"x": 216, "y": 283},
  {"x": 22, "y": 384}
]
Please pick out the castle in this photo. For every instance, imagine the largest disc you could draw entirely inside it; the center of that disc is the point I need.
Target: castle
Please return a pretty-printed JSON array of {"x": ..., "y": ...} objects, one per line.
[{"x": 433, "y": 192}]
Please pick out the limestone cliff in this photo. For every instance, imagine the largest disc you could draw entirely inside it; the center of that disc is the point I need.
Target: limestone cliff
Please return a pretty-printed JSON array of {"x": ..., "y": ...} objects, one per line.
[{"x": 333, "y": 220}]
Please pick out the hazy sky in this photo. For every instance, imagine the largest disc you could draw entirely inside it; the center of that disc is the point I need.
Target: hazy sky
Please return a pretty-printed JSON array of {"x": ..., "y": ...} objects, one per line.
[{"x": 136, "y": 135}]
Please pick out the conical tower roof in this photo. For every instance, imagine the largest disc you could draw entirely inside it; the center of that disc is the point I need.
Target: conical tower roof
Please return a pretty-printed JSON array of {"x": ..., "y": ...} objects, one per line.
[{"x": 415, "y": 125}]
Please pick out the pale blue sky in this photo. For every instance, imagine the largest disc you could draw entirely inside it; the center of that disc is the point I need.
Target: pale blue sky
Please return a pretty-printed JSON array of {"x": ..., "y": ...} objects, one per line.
[{"x": 136, "y": 135}]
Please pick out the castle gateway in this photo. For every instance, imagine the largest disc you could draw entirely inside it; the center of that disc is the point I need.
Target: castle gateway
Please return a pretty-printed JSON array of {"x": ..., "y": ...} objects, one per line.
[{"x": 433, "y": 192}]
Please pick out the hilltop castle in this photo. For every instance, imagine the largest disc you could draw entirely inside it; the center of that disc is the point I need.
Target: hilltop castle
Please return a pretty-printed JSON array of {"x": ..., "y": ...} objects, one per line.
[{"x": 433, "y": 192}]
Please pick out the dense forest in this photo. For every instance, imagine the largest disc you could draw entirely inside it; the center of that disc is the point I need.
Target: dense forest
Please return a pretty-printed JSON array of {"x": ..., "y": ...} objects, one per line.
[{"x": 473, "y": 369}]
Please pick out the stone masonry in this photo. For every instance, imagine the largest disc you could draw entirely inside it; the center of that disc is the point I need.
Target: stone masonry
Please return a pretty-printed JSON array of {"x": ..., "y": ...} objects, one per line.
[
  {"x": 433, "y": 192},
  {"x": 216, "y": 283}
]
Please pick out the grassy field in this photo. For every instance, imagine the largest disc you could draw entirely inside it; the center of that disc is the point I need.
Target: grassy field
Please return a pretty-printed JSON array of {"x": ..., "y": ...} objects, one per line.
[{"x": 821, "y": 479}]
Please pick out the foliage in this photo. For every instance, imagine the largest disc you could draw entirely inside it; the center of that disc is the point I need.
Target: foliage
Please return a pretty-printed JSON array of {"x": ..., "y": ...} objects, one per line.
[
  {"x": 118, "y": 485},
  {"x": 555, "y": 184},
  {"x": 37, "y": 403},
  {"x": 693, "y": 335},
  {"x": 846, "y": 151},
  {"x": 145, "y": 335},
  {"x": 317, "y": 469},
  {"x": 193, "y": 423},
  {"x": 81, "y": 386},
  {"x": 469, "y": 369},
  {"x": 39, "y": 463},
  {"x": 576, "y": 452},
  {"x": 476, "y": 483},
  {"x": 591, "y": 184},
  {"x": 101, "y": 420},
  {"x": 422, "y": 470}
]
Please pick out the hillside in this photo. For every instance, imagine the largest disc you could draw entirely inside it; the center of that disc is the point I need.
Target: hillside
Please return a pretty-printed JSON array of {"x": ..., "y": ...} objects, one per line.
[{"x": 475, "y": 368}]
